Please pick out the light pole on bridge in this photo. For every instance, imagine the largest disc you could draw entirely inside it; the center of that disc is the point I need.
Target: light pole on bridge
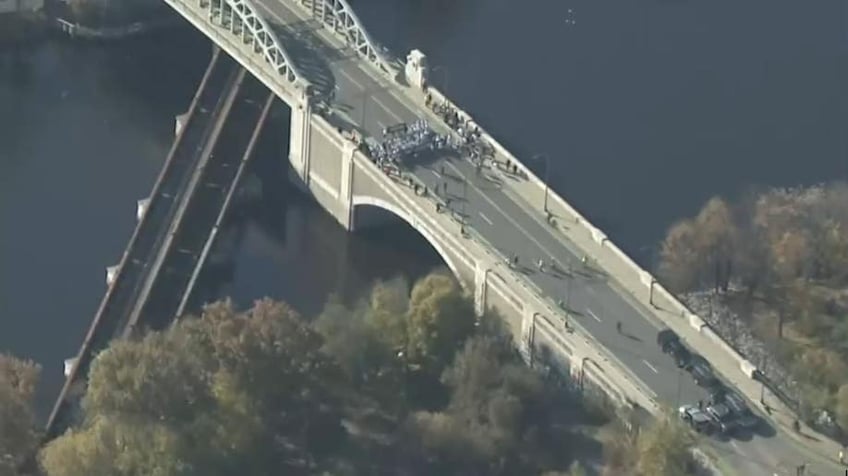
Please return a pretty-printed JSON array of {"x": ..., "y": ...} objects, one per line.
[{"x": 547, "y": 175}]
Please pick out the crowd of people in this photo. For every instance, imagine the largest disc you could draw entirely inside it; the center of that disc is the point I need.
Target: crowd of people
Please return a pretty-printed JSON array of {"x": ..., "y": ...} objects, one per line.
[
  {"x": 470, "y": 139},
  {"x": 403, "y": 141}
]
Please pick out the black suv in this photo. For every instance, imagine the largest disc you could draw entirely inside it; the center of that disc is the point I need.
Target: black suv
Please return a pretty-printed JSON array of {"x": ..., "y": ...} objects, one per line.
[
  {"x": 745, "y": 418},
  {"x": 670, "y": 344},
  {"x": 702, "y": 372}
]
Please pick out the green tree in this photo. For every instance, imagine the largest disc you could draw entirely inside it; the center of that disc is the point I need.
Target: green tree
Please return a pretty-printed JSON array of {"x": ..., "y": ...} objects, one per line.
[
  {"x": 18, "y": 436},
  {"x": 440, "y": 318},
  {"x": 387, "y": 311}
]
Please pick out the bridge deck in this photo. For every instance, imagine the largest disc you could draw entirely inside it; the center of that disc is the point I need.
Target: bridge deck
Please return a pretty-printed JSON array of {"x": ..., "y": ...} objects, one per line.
[
  {"x": 216, "y": 183},
  {"x": 367, "y": 100},
  {"x": 169, "y": 192}
]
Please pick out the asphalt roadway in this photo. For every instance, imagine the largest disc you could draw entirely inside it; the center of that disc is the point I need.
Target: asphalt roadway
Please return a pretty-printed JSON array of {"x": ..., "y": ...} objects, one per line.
[{"x": 515, "y": 227}]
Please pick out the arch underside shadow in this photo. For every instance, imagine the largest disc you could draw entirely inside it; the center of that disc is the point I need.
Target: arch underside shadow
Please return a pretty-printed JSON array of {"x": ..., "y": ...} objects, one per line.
[{"x": 369, "y": 201}]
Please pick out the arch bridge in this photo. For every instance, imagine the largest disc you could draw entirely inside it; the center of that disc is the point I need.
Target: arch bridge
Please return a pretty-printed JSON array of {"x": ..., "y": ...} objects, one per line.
[{"x": 344, "y": 88}]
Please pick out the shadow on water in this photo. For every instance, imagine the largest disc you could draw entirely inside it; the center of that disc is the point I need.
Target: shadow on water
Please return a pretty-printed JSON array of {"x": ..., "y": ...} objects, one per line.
[{"x": 279, "y": 243}]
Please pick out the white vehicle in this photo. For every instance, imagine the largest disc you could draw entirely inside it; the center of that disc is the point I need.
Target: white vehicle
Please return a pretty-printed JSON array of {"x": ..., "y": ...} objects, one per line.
[{"x": 696, "y": 418}]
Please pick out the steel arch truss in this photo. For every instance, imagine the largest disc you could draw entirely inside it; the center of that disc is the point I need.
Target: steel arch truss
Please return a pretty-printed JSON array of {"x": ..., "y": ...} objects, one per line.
[
  {"x": 341, "y": 19},
  {"x": 242, "y": 19}
]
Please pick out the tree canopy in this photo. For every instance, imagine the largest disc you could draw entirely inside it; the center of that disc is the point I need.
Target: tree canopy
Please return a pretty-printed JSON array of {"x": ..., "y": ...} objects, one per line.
[
  {"x": 406, "y": 381},
  {"x": 18, "y": 435},
  {"x": 778, "y": 259}
]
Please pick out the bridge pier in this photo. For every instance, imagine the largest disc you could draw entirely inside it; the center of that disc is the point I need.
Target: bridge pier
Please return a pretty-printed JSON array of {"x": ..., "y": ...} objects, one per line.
[
  {"x": 346, "y": 186},
  {"x": 111, "y": 274},
  {"x": 300, "y": 138},
  {"x": 180, "y": 122},
  {"x": 481, "y": 285},
  {"x": 141, "y": 208},
  {"x": 527, "y": 342}
]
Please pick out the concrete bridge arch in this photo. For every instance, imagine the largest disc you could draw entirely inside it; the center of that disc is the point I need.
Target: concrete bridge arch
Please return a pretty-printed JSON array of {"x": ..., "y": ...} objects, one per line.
[{"x": 359, "y": 202}]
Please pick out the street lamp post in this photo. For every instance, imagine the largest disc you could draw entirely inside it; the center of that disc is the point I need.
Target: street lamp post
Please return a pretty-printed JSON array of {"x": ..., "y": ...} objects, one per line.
[
  {"x": 651, "y": 292},
  {"x": 547, "y": 175},
  {"x": 531, "y": 344},
  {"x": 678, "y": 386},
  {"x": 464, "y": 199}
]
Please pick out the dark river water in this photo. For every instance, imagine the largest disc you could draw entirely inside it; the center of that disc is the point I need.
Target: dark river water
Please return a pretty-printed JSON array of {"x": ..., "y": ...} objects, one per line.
[{"x": 646, "y": 109}]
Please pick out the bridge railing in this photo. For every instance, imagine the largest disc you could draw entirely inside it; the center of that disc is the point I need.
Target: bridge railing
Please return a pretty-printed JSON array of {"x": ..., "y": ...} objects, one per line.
[
  {"x": 267, "y": 61},
  {"x": 341, "y": 20}
]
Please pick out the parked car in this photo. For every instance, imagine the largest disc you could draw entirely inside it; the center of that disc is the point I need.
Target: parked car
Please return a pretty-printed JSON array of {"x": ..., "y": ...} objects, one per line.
[
  {"x": 702, "y": 372},
  {"x": 745, "y": 418},
  {"x": 670, "y": 344},
  {"x": 722, "y": 416},
  {"x": 696, "y": 418}
]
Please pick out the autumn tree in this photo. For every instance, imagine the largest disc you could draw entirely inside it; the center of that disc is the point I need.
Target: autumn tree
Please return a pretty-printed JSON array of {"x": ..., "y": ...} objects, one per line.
[
  {"x": 716, "y": 239},
  {"x": 492, "y": 423},
  {"x": 664, "y": 449},
  {"x": 679, "y": 257},
  {"x": 439, "y": 319},
  {"x": 227, "y": 393},
  {"x": 18, "y": 436}
]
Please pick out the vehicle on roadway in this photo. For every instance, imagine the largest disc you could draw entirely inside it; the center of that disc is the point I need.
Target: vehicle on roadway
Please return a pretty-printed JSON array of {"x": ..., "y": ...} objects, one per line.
[
  {"x": 742, "y": 415},
  {"x": 722, "y": 416},
  {"x": 696, "y": 418},
  {"x": 702, "y": 372},
  {"x": 670, "y": 344}
]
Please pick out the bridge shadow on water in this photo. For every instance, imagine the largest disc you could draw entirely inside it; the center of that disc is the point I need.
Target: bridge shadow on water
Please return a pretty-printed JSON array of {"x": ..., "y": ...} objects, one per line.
[{"x": 278, "y": 242}]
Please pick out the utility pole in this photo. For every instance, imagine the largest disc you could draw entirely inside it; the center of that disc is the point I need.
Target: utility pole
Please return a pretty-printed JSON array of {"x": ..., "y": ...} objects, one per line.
[{"x": 464, "y": 199}]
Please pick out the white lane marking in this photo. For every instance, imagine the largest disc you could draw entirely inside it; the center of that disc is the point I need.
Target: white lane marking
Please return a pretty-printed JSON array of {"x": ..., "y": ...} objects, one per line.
[
  {"x": 485, "y": 218},
  {"x": 589, "y": 311},
  {"x": 650, "y": 366},
  {"x": 501, "y": 211},
  {"x": 437, "y": 174},
  {"x": 350, "y": 78},
  {"x": 386, "y": 108},
  {"x": 364, "y": 90}
]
